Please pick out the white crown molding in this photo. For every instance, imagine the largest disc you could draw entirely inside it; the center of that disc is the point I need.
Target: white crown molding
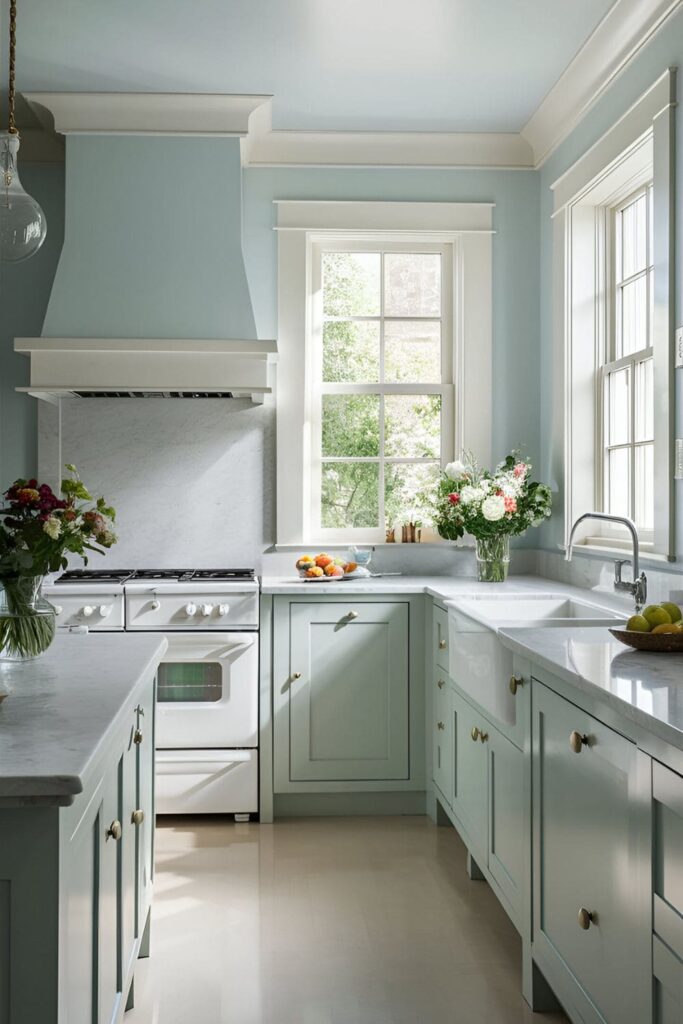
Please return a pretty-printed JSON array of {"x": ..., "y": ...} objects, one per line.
[
  {"x": 389, "y": 149},
  {"x": 145, "y": 113},
  {"x": 624, "y": 30}
]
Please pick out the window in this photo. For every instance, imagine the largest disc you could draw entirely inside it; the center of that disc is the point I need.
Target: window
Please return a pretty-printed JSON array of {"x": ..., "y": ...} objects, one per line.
[
  {"x": 380, "y": 409},
  {"x": 614, "y": 318},
  {"x": 627, "y": 385},
  {"x": 384, "y": 361}
]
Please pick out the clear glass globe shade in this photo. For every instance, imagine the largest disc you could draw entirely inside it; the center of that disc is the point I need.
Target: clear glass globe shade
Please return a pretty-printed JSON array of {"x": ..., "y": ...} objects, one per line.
[{"x": 22, "y": 222}]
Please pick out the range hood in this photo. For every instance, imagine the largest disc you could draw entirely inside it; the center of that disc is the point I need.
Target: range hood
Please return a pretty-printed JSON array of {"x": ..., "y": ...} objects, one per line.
[
  {"x": 151, "y": 296},
  {"x": 147, "y": 368}
]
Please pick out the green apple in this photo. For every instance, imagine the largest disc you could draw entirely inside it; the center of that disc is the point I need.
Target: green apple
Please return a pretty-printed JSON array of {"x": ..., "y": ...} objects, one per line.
[
  {"x": 656, "y": 615},
  {"x": 673, "y": 610},
  {"x": 638, "y": 624}
]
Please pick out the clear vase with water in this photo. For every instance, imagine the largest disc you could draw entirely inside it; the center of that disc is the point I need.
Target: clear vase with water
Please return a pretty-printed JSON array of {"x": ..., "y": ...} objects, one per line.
[
  {"x": 493, "y": 558},
  {"x": 27, "y": 619}
]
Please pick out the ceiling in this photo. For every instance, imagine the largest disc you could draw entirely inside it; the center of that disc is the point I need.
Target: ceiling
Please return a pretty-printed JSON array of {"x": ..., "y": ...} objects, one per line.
[{"x": 432, "y": 65}]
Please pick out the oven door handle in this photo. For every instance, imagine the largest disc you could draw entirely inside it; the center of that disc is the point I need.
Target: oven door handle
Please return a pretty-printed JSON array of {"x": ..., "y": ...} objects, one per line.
[{"x": 222, "y": 757}]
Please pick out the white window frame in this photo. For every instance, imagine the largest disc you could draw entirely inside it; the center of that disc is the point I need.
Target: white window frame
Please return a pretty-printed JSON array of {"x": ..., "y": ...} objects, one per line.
[
  {"x": 637, "y": 149},
  {"x": 464, "y": 232}
]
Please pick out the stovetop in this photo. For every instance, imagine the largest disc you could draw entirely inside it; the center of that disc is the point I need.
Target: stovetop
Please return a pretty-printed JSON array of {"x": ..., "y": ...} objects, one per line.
[{"x": 121, "y": 576}]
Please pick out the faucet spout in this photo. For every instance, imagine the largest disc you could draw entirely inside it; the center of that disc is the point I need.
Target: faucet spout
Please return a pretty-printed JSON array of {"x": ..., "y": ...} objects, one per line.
[{"x": 638, "y": 586}]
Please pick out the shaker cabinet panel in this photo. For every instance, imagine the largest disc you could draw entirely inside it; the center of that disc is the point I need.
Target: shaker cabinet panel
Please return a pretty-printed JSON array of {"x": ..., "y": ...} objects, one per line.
[
  {"x": 590, "y": 816},
  {"x": 506, "y": 816},
  {"x": 442, "y": 736},
  {"x": 469, "y": 770},
  {"x": 348, "y": 695}
]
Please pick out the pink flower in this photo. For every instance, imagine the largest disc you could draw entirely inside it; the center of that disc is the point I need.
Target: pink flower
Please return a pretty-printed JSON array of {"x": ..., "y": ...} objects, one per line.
[
  {"x": 454, "y": 499},
  {"x": 520, "y": 469},
  {"x": 510, "y": 504}
]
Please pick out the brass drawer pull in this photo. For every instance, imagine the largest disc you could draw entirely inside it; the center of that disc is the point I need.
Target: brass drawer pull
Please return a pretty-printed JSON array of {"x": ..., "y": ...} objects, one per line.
[
  {"x": 440, "y": 725},
  {"x": 515, "y": 683},
  {"x": 137, "y": 817},
  {"x": 475, "y": 733},
  {"x": 586, "y": 918},
  {"x": 137, "y": 737},
  {"x": 441, "y": 684},
  {"x": 442, "y": 645},
  {"x": 114, "y": 831},
  {"x": 577, "y": 741}
]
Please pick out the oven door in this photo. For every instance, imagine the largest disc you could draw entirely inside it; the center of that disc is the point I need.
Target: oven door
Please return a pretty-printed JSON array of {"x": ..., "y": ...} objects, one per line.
[{"x": 207, "y": 691}]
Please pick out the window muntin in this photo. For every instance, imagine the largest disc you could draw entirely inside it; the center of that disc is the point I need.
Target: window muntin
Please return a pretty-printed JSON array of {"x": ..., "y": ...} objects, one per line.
[
  {"x": 380, "y": 383},
  {"x": 627, "y": 376}
]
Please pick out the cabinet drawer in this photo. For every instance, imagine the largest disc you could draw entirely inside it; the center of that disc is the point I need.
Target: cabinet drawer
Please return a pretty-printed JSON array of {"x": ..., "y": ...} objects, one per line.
[
  {"x": 206, "y": 781},
  {"x": 440, "y": 637},
  {"x": 442, "y": 739},
  {"x": 667, "y": 792}
]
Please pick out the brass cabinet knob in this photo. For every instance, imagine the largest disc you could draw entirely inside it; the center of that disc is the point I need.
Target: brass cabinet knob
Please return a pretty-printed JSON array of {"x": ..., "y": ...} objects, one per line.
[
  {"x": 475, "y": 733},
  {"x": 577, "y": 741},
  {"x": 137, "y": 817},
  {"x": 585, "y": 918},
  {"x": 296, "y": 675},
  {"x": 441, "y": 683},
  {"x": 442, "y": 645},
  {"x": 352, "y": 615},
  {"x": 114, "y": 831},
  {"x": 440, "y": 725},
  {"x": 515, "y": 683},
  {"x": 137, "y": 737}
]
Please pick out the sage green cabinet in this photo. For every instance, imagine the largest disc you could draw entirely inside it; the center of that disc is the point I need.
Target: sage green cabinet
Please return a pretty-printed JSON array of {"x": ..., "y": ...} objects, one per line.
[
  {"x": 505, "y": 850},
  {"x": 591, "y": 826},
  {"x": 341, "y": 672},
  {"x": 667, "y": 842},
  {"x": 471, "y": 732},
  {"x": 442, "y": 736}
]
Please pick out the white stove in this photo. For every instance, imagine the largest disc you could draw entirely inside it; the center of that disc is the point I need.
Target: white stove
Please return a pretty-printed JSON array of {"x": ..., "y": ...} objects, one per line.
[{"x": 207, "y": 686}]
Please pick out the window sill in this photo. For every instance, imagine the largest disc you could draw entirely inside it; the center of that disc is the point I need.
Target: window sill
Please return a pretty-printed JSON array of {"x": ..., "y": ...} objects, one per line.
[
  {"x": 645, "y": 553},
  {"x": 306, "y": 545}
]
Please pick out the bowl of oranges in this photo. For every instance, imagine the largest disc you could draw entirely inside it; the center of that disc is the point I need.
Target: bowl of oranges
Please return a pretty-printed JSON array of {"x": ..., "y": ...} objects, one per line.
[
  {"x": 323, "y": 568},
  {"x": 659, "y": 627}
]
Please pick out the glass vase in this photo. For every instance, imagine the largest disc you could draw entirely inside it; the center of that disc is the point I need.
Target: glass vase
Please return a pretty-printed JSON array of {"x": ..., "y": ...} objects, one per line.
[
  {"x": 27, "y": 619},
  {"x": 493, "y": 558}
]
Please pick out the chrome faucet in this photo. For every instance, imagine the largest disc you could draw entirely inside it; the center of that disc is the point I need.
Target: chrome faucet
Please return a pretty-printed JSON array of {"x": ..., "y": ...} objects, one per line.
[{"x": 638, "y": 586}]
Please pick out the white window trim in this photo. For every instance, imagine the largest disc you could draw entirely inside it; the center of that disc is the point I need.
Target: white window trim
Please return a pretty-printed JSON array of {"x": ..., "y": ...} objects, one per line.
[
  {"x": 467, "y": 227},
  {"x": 639, "y": 146}
]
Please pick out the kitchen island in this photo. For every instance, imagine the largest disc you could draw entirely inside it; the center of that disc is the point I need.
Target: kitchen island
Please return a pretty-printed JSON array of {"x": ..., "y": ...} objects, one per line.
[{"x": 76, "y": 827}]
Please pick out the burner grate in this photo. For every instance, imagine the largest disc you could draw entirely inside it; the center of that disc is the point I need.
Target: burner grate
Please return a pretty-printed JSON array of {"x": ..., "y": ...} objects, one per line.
[{"x": 162, "y": 575}]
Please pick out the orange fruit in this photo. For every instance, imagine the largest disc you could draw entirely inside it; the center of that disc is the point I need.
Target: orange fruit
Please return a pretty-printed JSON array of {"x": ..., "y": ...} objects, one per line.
[
  {"x": 314, "y": 571},
  {"x": 350, "y": 567},
  {"x": 666, "y": 627},
  {"x": 323, "y": 560},
  {"x": 333, "y": 570}
]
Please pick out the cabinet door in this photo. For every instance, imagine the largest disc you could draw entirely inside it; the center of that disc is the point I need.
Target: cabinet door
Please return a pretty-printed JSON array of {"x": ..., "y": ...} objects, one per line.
[
  {"x": 109, "y": 896},
  {"x": 506, "y": 816},
  {"x": 144, "y": 802},
  {"x": 469, "y": 776},
  {"x": 128, "y": 852},
  {"x": 442, "y": 739},
  {"x": 589, "y": 817},
  {"x": 348, "y": 692}
]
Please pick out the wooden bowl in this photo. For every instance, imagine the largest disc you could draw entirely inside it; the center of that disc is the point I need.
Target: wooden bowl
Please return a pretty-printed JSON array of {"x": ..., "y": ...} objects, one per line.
[{"x": 665, "y": 643}]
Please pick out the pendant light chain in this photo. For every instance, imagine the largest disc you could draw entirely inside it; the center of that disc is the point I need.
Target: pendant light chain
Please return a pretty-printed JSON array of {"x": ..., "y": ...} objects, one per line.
[{"x": 11, "y": 126}]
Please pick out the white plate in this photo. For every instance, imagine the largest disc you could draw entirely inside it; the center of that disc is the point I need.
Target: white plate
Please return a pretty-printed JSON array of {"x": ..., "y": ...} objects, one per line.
[{"x": 321, "y": 579}]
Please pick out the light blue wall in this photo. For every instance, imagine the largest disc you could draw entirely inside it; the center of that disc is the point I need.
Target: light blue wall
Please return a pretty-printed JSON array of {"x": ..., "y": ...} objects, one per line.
[
  {"x": 515, "y": 264},
  {"x": 665, "y": 50},
  {"x": 24, "y": 293}
]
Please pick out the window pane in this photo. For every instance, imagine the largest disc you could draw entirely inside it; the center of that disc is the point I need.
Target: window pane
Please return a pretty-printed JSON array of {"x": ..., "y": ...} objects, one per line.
[
  {"x": 412, "y": 352},
  {"x": 619, "y": 403},
  {"x": 619, "y": 476},
  {"x": 350, "y": 495},
  {"x": 645, "y": 486},
  {"x": 407, "y": 490},
  {"x": 351, "y": 283},
  {"x": 350, "y": 427},
  {"x": 644, "y": 426},
  {"x": 412, "y": 284},
  {"x": 633, "y": 317},
  {"x": 634, "y": 237},
  {"x": 412, "y": 426},
  {"x": 351, "y": 351}
]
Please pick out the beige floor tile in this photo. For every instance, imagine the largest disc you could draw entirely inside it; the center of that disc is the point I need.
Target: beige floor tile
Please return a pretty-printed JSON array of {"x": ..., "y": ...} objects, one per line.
[{"x": 325, "y": 921}]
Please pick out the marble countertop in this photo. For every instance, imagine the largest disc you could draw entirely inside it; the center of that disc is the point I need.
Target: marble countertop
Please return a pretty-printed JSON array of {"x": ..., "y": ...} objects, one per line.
[
  {"x": 644, "y": 687},
  {"x": 63, "y": 707}
]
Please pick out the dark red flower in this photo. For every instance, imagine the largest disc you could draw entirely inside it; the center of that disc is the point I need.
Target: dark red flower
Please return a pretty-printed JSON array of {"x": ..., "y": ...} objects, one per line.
[{"x": 454, "y": 499}]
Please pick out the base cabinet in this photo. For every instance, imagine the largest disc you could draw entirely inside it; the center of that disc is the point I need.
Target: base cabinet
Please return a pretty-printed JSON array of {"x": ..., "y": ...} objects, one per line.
[
  {"x": 506, "y": 815},
  {"x": 590, "y": 822}
]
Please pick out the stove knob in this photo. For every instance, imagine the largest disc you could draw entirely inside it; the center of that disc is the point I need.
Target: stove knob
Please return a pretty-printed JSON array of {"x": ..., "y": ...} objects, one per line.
[
  {"x": 88, "y": 610},
  {"x": 223, "y": 609},
  {"x": 154, "y": 605},
  {"x": 104, "y": 610},
  {"x": 207, "y": 609},
  {"x": 190, "y": 608}
]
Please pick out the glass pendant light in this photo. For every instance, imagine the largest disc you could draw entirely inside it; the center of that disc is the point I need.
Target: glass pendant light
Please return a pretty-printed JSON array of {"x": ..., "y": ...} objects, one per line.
[{"x": 22, "y": 222}]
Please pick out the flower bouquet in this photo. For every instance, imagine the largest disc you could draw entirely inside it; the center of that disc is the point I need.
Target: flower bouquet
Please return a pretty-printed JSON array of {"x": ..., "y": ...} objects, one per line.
[
  {"x": 37, "y": 532},
  {"x": 491, "y": 506}
]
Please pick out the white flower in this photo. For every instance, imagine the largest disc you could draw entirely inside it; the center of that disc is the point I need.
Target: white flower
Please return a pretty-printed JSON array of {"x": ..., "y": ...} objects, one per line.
[
  {"x": 469, "y": 494},
  {"x": 493, "y": 508},
  {"x": 454, "y": 470},
  {"x": 52, "y": 527}
]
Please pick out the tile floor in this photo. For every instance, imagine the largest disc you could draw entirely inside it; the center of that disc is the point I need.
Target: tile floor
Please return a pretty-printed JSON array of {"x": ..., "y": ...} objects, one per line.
[{"x": 325, "y": 921}]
